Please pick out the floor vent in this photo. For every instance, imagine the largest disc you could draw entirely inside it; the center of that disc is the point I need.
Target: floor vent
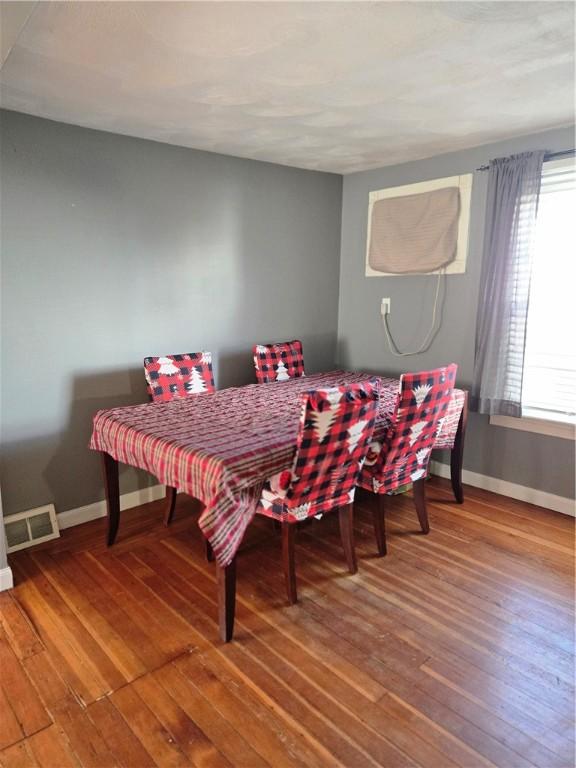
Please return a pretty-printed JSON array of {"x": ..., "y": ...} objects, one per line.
[{"x": 25, "y": 529}]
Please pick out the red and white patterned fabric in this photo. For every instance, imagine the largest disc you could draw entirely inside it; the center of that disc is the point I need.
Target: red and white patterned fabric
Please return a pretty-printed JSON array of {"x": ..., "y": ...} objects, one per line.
[
  {"x": 278, "y": 362},
  {"x": 221, "y": 449},
  {"x": 403, "y": 456},
  {"x": 175, "y": 376},
  {"x": 446, "y": 434},
  {"x": 336, "y": 426}
]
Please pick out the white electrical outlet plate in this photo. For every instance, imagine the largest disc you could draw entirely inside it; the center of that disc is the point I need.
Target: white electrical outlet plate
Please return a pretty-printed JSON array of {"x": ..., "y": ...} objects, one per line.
[{"x": 385, "y": 307}]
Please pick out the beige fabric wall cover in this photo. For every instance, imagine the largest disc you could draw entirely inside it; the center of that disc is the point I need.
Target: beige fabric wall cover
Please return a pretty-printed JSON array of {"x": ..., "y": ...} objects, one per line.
[{"x": 415, "y": 233}]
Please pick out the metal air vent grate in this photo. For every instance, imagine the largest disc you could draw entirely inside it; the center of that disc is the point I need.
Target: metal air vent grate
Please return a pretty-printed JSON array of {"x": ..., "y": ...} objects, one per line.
[{"x": 34, "y": 526}]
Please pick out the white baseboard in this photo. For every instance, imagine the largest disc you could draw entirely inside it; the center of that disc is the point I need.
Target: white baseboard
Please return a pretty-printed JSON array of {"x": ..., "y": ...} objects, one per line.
[
  {"x": 514, "y": 491},
  {"x": 6, "y": 580},
  {"x": 81, "y": 515}
]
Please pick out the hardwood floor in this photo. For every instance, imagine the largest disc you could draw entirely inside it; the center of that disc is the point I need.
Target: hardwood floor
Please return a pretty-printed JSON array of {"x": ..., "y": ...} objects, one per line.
[{"x": 454, "y": 650}]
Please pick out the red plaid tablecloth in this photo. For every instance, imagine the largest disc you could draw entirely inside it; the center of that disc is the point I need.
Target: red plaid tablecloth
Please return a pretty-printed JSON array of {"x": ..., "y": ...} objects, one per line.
[{"x": 221, "y": 447}]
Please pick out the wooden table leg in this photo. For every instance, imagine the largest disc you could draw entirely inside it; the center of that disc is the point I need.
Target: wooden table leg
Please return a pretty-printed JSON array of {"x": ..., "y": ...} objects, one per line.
[
  {"x": 171, "y": 494},
  {"x": 112, "y": 488},
  {"x": 226, "y": 599},
  {"x": 457, "y": 453}
]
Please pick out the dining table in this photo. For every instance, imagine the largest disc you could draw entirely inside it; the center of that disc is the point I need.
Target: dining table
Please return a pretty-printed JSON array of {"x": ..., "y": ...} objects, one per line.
[{"x": 221, "y": 447}]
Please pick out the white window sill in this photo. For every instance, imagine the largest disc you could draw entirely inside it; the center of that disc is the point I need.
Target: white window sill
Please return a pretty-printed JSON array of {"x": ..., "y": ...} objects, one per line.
[{"x": 546, "y": 424}]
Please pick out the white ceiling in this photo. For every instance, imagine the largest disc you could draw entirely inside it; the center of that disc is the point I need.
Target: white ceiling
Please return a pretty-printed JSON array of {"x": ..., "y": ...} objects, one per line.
[{"x": 334, "y": 86}]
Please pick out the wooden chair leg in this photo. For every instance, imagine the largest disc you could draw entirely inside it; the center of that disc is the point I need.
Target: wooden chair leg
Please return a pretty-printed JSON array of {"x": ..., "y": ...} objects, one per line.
[
  {"x": 380, "y": 524},
  {"x": 288, "y": 560},
  {"x": 171, "y": 494},
  {"x": 419, "y": 491},
  {"x": 226, "y": 578},
  {"x": 457, "y": 453},
  {"x": 346, "y": 519},
  {"x": 209, "y": 552}
]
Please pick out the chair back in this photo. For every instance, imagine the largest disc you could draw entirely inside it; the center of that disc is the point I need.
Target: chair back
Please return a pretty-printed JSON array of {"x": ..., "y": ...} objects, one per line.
[
  {"x": 448, "y": 429},
  {"x": 336, "y": 427},
  {"x": 404, "y": 455},
  {"x": 278, "y": 362},
  {"x": 175, "y": 376}
]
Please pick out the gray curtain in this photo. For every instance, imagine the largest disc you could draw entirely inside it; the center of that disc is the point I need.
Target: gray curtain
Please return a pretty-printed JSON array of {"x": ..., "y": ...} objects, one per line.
[{"x": 512, "y": 204}]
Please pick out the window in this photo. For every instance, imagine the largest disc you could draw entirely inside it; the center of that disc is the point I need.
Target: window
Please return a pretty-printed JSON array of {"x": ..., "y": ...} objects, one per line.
[{"x": 549, "y": 383}]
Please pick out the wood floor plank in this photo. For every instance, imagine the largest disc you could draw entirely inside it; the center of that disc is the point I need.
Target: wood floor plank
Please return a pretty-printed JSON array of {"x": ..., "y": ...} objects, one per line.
[
  {"x": 506, "y": 571},
  {"x": 364, "y": 644},
  {"x": 84, "y": 739},
  {"x": 459, "y": 587},
  {"x": 221, "y": 733},
  {"x": 502, "y": 555},
  {"x": 456, "y": 650},
  {"x": 86, "y": 663},
  {"x": 271, "y": 737},
  {"x": 18, "y": 756},
  {"x": 520, "y": 537},
  {"x": 301, "y": 747},
  {"x": 283, "y": 693},
  {"x": 23, "y": 639},
  {"x": 126, "y": 748},
  {"x": 334, "y": 617},
  {"x": 105, "y": 622},
  {"x": 51, "y": 687},
  {"x": 360, "y": 650},
  {"x": 307, "y": 676},
  {"x": 562, "y": 747},
  {"x": 21, "y": 694},
  {"x": 51, "y": 749},
  {"x": 499, "y": 638},
  {"x": 188, "y": 735},
  {"x": 410, "y": 621},
  {"x": 10, "y": 729},
  {"x": 485, "y": 582},
  {"x": 157, "y": 740},
  {"x": 164, "y": 629}
]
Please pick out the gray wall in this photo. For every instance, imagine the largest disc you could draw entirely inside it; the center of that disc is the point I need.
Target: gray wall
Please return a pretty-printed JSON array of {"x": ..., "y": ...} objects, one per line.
[
  {"x": 541, "y": 462},
  {"x": 114, "y": 248}
]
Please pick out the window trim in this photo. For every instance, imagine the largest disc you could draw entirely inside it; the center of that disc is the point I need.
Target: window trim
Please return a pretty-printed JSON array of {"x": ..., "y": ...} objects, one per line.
[{"x": 552, "y": 424}]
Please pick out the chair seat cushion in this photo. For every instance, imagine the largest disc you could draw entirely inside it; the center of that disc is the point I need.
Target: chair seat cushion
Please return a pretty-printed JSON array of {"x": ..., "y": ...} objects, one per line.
[{"x": 274, "y": 502}]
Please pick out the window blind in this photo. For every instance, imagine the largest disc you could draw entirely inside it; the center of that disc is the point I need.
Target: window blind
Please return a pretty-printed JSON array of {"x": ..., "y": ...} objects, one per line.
[{"x": 549, "y": 381}]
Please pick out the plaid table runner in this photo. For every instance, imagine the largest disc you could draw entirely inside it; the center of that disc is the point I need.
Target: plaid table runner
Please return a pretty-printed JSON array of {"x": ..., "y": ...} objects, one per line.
[{"x": 221, "y": 447}]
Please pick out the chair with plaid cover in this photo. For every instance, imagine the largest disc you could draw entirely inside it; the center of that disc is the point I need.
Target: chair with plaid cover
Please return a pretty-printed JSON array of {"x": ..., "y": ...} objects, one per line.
[
  {"x": 404, "y": 455},
  {"x": 278, "y": 362},
  {"x": 335, "y": 430},
  {"x": 174, "y": 376}
]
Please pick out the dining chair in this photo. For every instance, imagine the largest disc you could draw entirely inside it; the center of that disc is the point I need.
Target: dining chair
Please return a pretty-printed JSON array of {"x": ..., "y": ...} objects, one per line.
[
  {"x": 335, "y": 429},
  {"x": 404, "y": 454},
  {"x": 174, "y": 376},
  {"x": 278, "y": 362}
]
